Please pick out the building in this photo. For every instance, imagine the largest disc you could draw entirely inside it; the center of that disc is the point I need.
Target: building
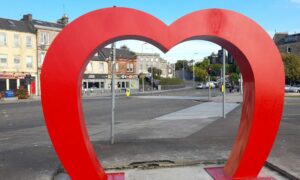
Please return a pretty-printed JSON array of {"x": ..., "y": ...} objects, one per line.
[
  {"x": 288, "y": 43},
  {"x": 96, "y": 74},
  {"x": 125, "y": 68},
  {"x": 218, "y": 58},
  {"x": 45, "y": 34},
  {"x": 18, "y": 55},
  {"x": 148, "y": 60}
]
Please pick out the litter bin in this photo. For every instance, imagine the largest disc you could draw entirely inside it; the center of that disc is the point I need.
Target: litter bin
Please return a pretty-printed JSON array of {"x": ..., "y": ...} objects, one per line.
[{"x": 9, "y": 94}]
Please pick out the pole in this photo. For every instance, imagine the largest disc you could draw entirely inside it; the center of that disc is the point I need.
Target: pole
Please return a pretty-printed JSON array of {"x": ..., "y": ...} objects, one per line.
[
  {"x": 224, "y": 83},
  {"x": 143, "y": 83},
  {"x": 152, "y": 77},
  {"x": 241, "y": 84},
  {"x": 194, "y": 84},
  {"x": 209, "y": 88},
  {"x": 112, "y": 135}
]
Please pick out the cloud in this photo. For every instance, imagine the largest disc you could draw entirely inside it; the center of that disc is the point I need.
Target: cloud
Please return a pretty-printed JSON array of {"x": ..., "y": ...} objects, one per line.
[
  {"x": 195, "y": 49},
  {"x": 295, "y": 1}
]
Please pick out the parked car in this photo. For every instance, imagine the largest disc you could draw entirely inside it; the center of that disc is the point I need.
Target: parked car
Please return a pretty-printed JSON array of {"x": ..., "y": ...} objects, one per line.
[
  {"x": 287, "y": 88},
  {"x": 201, "y": 86},
  {"x": 210, "y": 84},
  {"x": 295, "y": 89}
]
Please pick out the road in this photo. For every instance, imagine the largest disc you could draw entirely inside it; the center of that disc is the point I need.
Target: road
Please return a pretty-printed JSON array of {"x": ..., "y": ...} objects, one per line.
[{"x": 142, "y": 134}]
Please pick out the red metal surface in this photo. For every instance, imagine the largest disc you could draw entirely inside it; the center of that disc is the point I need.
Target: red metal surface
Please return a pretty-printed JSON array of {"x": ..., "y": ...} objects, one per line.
[
  {"x": 252, "y": 48},
  {"x": 218, "y": 173},
  {"x": 116, "y": 176}
]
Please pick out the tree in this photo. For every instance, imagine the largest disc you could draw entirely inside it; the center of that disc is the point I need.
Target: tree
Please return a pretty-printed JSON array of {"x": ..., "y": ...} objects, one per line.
[
  {"x": 156, "y": 72},
  {"x": 204, "y": 64},
  {"x": 183, "y": 63},
  {"x": 292, "y": 68},
  {"x": 234, "y": 78},
  {"x": 200, "y": 74}
]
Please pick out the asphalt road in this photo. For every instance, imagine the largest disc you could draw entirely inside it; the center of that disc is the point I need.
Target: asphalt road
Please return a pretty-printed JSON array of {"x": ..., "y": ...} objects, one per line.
[{"x": 26, "y": 151}]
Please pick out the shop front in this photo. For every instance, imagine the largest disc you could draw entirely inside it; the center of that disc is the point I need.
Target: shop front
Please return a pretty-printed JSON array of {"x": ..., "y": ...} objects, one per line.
[
  {"x": 95, "y": 82},
  {"x": 13, "y": 81}
]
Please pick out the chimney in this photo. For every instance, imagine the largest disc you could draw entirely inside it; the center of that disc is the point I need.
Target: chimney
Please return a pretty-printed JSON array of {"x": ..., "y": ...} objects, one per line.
[
  {"x": 27, "y": 17},
  {"x": 63, "y": 20}
]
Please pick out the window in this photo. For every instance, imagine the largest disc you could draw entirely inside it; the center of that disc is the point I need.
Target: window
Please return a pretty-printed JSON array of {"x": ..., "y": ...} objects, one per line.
[
  {"x": 17, "y": 61},
  {"x": 41, "y": 59},
  {"x": 3, "y": 61},
  {"x": 89, "y": 67},
  {"x": 3, "y": 41},
  {"x": 101, "y": 67},
  {"x": 16, "y": 40},
  {"x": 129, "y": 67},
  {"x": 45, "y": 38},
  {"x": 117, "y": 67},
  {"x": 28, "y": 42},
  {"x": 29, "y": 63},
  {"x": 289, "y": 50}
]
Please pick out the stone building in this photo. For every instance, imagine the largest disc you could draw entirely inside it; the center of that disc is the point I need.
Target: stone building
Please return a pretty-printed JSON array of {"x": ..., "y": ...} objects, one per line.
[
  {"x": 17, "y": 55},
  {"x": 288, "y": 43},
  {"x": 148, "y": 60}
]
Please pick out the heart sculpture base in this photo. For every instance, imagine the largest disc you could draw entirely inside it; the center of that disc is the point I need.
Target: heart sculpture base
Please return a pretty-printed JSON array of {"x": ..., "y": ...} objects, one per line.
[
  {"x": 116, "y": 176},
  {"x": 217, "y": 173}
]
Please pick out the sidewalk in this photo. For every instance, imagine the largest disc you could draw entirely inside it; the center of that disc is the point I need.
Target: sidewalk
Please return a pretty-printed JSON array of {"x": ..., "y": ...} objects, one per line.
[{"x": 92, "y": 96}]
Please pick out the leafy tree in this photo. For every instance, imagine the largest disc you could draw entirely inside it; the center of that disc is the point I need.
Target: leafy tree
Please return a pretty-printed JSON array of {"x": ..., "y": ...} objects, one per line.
[
  {"x": 292, "y": 68},
  {"x": 156, "y": 72},
  {"x": 204, "y": 64},
  {"x": 200, "y": 74},
  {"x": 234, "y": 78},
  {"x": 183, "y": 63}
]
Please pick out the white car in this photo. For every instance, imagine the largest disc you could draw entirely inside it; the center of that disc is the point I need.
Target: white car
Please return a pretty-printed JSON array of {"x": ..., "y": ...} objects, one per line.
[
  {"x": 295, "y": 89},
  {"x": 201, "y": 86},
  {"x": 210, "y": 84}
]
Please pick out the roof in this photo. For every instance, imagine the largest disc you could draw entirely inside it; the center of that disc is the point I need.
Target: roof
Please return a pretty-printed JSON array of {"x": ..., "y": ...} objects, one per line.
[
  {"x": 14, "y": 25},
  {"x": 47, "y": 24},
  {"x": 105, "y": 53}
]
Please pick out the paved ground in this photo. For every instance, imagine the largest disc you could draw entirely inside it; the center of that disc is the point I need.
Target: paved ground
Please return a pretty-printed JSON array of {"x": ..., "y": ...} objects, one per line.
[{"x": 143, "y": 135}]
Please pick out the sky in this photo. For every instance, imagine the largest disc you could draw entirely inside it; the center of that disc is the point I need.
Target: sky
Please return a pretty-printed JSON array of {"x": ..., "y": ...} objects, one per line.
[{"x": 272, "y": 15}]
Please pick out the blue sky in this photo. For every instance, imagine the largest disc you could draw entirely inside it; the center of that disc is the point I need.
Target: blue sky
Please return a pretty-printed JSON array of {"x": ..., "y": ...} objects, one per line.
[{"x": 279, "y": 15}]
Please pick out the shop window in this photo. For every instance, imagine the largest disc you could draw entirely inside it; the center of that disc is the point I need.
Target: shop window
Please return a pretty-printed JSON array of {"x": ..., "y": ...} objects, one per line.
[
  {"x": 102, "y": 85},
  {"x": 127, "y": 85},
  {"x": 2, "y": 85}
]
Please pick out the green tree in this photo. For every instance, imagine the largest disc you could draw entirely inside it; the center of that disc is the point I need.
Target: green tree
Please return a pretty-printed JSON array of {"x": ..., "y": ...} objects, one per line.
[
  {"x": 200, "y": 74},
  {"x": 234, "y": 78},
  {"x": 204, "y": 64},
  {"x": 156, "y": 72},
  {"x": 183, "y": 63},
  {"x": 292, "y": 68}
]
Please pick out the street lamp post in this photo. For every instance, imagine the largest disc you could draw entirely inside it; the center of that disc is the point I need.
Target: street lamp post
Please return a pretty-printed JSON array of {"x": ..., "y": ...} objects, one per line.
[
  {"x": 224, "y": 82},
  {"x": 112, "y": 135}
]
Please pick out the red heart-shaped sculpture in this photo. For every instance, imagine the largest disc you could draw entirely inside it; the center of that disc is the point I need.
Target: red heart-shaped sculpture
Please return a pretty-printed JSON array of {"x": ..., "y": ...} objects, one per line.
[{"x": 252, "y": 48}]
